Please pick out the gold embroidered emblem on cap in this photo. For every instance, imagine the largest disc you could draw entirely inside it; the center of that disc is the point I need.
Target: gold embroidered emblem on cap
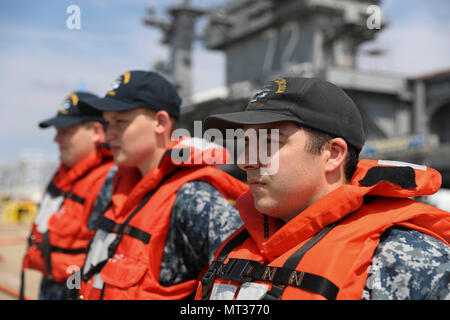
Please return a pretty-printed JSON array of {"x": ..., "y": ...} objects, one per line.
[
  {"x": 123, "y": 79},
  {"x": 74, "y": 99},
  {"x": 281, "y": 85},
  {"x": 126, "y": 77}
]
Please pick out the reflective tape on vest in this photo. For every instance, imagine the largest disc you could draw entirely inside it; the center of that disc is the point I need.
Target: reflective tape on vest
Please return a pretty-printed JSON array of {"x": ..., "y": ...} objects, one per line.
[
  {"x": 48, "y": 206},
  {"x": 98, "y": 253}
]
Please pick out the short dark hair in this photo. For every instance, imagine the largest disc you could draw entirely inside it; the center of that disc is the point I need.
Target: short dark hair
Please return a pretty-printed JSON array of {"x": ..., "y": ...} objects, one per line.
[{"x": 318, "y": 139}]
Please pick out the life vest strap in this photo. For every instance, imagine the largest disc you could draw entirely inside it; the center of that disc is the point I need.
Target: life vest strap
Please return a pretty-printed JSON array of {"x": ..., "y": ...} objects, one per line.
[
  {"x": 210, "y": 275},
  {"x": 103, "y": 200},
  {"x": 55, "y": 191},
  {"x": 93, "y": 270},
  {"x": 67, "y": 251},
  {"x": 243, "y": 270},
  {"x": 109, "y": 226},
  {"x": 293, "y": 261}
]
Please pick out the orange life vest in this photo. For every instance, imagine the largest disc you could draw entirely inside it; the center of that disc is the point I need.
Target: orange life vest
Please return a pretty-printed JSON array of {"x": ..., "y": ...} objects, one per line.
[
  {"x": 59, "y": 235},
  {"x": 125, "y": 255},
  {"x": 326, "y": 251}
]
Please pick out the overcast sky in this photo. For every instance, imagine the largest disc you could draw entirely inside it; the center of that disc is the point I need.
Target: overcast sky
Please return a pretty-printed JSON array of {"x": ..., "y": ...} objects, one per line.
[{"x": 41, "y": 60}]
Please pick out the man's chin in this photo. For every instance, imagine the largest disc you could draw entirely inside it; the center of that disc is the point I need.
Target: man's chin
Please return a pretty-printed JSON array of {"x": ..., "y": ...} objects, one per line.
[
  {"x": 121, "y": 160},
  {"x": 262, "y": 205},
  {"x": 67, "y": 163}
]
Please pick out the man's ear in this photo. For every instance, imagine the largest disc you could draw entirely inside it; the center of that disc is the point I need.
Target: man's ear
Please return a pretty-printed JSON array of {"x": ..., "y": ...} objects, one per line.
[
  {"x": 99, "y": 132},
  {"x": 163, "y": 122},
  {"x": 336, "y": 155}
]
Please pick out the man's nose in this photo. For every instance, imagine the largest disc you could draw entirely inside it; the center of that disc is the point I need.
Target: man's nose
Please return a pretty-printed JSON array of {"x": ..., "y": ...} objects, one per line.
[
  {"x": 110, "y": 134},
  {"x": 248, "y": 160},
  {"x": 58, "y": 137}
]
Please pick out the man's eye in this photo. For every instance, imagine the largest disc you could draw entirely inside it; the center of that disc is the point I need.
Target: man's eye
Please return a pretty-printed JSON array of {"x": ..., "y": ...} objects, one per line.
[{"x": 270, "y": 139}]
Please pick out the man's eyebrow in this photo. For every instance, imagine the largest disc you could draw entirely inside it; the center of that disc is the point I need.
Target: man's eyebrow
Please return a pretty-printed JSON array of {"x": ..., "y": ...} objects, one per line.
[
  {"x": 279, "y": 132},
  {"x": 269, "y": 132}
]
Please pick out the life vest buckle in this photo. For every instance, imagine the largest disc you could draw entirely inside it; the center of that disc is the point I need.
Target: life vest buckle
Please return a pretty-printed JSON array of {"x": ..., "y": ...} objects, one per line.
[
  {"x": 237, "y": 270},
  {"x": 208, "y": 279}
]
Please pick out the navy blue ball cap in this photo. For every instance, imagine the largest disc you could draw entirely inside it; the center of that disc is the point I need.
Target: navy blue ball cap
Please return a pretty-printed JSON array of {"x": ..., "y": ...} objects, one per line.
[
  {"x": 70, "y": 114},
  {"x": 310, "y": 102},
  {"x": 137, "y": 89}
]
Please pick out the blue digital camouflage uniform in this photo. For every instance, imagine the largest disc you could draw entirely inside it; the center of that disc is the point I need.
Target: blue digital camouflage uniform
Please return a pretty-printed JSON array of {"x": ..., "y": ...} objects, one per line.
[
  {"x": 409, "y": 265},
  {"x": 201, "y": 220},
  {"x": 51, "y": 290},
  {"x": 406, "y": 265}
]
